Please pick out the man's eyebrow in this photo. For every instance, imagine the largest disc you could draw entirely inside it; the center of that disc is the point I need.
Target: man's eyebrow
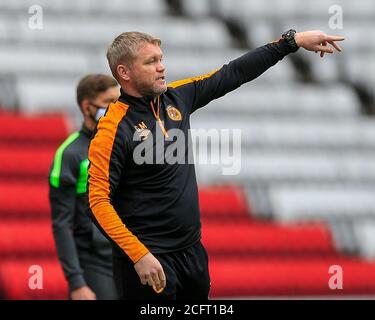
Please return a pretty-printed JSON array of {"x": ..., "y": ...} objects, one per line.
[{"x": 151, "y": 56}]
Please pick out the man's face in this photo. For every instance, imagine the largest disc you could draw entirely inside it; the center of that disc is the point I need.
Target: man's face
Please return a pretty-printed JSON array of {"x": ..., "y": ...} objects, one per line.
[
  {"x": 103, "y": 100},
  {"x": 147, "y": 72}
]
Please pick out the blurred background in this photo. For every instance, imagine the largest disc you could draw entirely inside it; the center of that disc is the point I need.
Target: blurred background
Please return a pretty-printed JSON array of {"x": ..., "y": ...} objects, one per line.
[{"x": 304, "y": 199}]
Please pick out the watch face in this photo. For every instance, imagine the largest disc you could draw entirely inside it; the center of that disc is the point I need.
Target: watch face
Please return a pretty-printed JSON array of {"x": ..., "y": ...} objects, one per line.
[{"x": 289, "y": 33}]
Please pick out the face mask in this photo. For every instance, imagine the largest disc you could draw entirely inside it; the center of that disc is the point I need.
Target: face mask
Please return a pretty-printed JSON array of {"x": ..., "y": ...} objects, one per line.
[{"x": 99, "y": 113}]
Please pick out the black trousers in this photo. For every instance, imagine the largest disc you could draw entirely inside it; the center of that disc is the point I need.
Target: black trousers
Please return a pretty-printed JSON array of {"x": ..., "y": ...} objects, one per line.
[{"x": 186, "y": 273}]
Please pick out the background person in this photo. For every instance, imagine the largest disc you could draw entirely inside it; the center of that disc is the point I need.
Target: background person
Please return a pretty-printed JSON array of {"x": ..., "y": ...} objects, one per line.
[{"x": 84, "y": 253}]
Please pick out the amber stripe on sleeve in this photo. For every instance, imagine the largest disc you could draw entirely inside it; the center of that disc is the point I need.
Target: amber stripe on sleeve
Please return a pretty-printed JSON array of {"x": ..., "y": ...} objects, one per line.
[
  {"x": 100, "y": 153},
  {"x": 182, "y": 82}
]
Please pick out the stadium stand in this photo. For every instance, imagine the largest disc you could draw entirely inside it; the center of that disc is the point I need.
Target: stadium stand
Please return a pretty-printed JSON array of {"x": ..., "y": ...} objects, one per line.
[
  {"x": 304, "y": 198},
  {"x": 16, "y": 275}
]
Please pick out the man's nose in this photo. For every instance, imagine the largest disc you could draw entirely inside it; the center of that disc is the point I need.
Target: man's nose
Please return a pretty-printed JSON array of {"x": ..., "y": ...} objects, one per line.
[{"x": 160, "y": 67}]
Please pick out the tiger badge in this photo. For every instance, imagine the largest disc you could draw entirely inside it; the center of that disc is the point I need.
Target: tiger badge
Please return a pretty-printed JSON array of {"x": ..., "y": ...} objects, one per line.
[{"x": 174, "y": 113}]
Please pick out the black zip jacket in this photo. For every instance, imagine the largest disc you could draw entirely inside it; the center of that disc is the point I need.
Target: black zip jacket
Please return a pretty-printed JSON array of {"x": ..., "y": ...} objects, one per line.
[{"x": 154, "y": 207}]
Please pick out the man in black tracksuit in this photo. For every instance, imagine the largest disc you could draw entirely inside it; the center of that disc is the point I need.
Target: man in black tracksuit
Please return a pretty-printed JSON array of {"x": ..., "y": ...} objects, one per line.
[
  {"x": 149, "y": 210},
  {"x": 85, "y": 254}
]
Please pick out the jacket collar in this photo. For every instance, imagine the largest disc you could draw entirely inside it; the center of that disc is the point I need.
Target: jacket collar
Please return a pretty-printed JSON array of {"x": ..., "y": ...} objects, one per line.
[
  {"x": 86, "y": 131},
  {"x": 135, "y": 101}
]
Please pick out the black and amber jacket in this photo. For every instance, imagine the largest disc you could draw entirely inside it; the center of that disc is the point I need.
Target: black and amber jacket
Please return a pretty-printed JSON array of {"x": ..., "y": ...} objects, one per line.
[{"x": 154, "y": 207}]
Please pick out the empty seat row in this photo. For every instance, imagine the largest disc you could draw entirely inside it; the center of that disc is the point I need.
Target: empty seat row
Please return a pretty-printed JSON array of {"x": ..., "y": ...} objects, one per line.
[
  {"x": 26, "y": 163},
  {"x": 291, "y": 8},
  {"x": 293, "y": 100},
  {"x": 285, "y": 165},
  {"x": 31, "y": 61},
  {"x": 141, "y": 7},
  {"x": 19, "y": 130},
  {"x": 29, "y": 200},
  {"x": 229, "y": 277},
  {"x": 22, "y": 239},
  {"x": 261, "y": 239},
  {"x": 287, "y": 132},
  {"x": 224, "y": 202},
  {"x": 248, "y": 277},
  {"x": 100, "y": 31},
  {"x": 61, "y": 93},
  {"x": 328, "y": 203}
]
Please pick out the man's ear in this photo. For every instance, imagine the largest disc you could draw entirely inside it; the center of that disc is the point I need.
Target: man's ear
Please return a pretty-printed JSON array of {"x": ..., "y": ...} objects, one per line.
[
  {"x": 123, "y": 72},
  {"x": 85, "y": 107}
]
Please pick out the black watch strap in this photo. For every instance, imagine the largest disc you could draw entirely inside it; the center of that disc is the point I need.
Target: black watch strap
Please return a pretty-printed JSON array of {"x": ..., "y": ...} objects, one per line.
[{"x": 288, "y": 36}]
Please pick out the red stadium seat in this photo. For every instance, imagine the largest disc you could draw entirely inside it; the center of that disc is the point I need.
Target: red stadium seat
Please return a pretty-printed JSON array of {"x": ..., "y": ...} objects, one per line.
[
  {"x": 20, "y": 239},
  {"x": 20, "y": 129},
  {"x": 228, "y": 202},
  {"x": 266, "y": 238},
  {"x": 15, "y": 279},
  {"x": 232, "y": 203},
  {"x": 25, "y": 163},
  {"x": 26, "y": 200},
  {"x": 288, "y": 277}
]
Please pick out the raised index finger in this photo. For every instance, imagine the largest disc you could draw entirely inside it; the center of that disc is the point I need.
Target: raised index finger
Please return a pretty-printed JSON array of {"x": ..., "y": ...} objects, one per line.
[{"x": 334, "y": 38}]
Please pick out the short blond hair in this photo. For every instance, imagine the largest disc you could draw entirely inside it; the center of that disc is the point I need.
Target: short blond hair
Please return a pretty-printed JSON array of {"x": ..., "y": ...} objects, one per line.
[{"x": 125, "y": 47}]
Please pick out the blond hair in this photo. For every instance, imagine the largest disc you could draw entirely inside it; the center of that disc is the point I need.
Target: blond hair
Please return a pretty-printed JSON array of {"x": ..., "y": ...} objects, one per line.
[{"x": 124, "y": 48}]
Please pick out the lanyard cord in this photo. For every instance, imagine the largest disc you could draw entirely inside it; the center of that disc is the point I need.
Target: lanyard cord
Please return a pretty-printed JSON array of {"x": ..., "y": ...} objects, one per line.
[{"x": 157, "y": 115}]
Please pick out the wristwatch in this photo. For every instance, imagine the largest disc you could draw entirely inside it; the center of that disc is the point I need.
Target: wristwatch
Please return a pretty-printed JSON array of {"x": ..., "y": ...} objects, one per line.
[{"x": 288, "y": 36}]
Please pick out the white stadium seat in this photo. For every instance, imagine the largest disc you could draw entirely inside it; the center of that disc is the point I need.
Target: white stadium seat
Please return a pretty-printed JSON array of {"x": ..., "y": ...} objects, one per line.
[
  {"x": 289, "y": 133},
  {"x": 43, "y": 61},
  {"x": 361, "y": 68},
  {"x": 268, "y": 167},
  {"x": 287, "y": 100},
  {"x": 77, "y": 31},
  {"x": 365, "y": 237},
  {"x": 291, "y": 8},
  {"x": 46, "y": 94},
  {"x": 322, "y": 203},
  {"x": 140, "y": 7}
]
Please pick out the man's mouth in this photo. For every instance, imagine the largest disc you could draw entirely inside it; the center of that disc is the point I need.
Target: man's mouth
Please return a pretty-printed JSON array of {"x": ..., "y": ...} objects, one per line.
[{"x": 160, "y": 78}]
